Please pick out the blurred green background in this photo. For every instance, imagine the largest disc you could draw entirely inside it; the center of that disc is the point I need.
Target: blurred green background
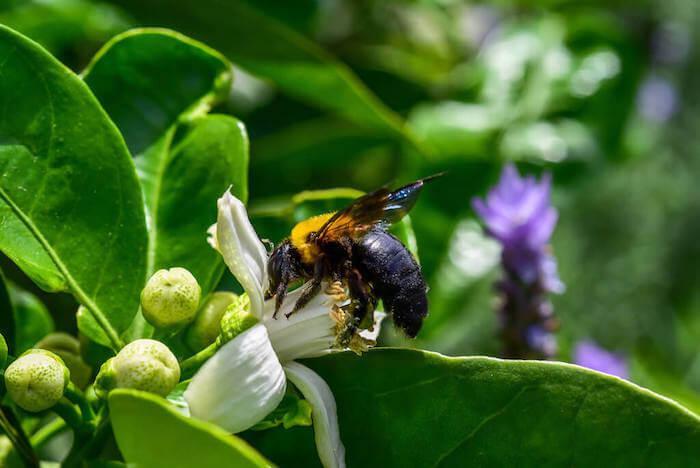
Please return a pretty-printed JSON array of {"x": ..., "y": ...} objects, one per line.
[{"x": 601, "y": 93}]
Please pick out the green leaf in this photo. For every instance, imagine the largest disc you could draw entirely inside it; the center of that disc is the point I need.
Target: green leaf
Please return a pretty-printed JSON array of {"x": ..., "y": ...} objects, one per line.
[
  {"x": 401, "y": 407},
  {"x": 271, "y": 50},
  {"x": 146, "y": 427},
  {"x": 70, "y": 202},
  {"x": 146, "y": 79},
  {"x": 157, "y": 86},
  {"x": 32, "y": 319},
  {"x": 210, "y": 155}
]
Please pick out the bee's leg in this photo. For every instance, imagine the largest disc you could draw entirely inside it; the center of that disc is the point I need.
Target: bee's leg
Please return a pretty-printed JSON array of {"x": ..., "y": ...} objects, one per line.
[
  {"x": 313, "y": 289},
  {"x": 280, "y": 293},
  {"x": 361, "y": 307},
  {"x": 363, "y": 299}
]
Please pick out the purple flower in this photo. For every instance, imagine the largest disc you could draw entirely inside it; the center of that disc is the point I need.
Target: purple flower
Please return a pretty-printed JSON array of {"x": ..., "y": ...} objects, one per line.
[
  {"x": 517, "y": 210},
  {"x": 518, "y": 213},
  {"x": 588, "y": 354}
]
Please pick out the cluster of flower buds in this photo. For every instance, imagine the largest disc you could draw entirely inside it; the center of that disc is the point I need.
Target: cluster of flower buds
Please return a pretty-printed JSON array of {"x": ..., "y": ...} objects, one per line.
[{"x": 518, "y": 213}]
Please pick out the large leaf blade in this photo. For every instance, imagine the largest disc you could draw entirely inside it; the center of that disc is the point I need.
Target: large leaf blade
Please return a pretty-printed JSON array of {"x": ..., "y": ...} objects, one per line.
[
  {"x": 158, "y": 86},
  {"x": 210, "y": 156},
  {"x": 70, "y": 202},
  {"x": 152, "y": 434},
  {"x": 271, "y": 50},
  {"x": 413, "y": 408},
  {"x": 146, "y": 79}
]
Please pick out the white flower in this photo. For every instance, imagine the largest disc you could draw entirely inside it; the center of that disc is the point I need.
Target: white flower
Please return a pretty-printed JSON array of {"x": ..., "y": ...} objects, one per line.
[{"x": 245, "y": 380}]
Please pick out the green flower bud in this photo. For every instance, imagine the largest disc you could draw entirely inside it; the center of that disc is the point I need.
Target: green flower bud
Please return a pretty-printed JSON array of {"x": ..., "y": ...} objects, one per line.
[
  {"x": 205, "y": 328},
  {"x": 236, "y": 320},
  {"x": 170, "y": 298},
  {"x": 36, "y": 380},
  {"x": 146, "y": 365},
  {"x": 67, "y": 347}
]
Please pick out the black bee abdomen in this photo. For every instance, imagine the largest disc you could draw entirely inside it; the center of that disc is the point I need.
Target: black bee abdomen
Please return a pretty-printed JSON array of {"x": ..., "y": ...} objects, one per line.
[{"x": 395, "y": 276}]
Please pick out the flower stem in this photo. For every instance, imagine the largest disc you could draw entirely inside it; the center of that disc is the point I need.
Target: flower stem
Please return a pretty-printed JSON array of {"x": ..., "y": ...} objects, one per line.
[
  {"x": 76, "y": 396},
  {"x": 69, "y": 413},
  {"x": 48, "y": 432},
  {"x": 89, "y": 441},
  {"x": 189, "y": 366}
]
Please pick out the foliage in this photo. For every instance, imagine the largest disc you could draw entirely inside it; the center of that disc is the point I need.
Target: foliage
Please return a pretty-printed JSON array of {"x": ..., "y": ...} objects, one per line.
[{"x": 117, "y": 139}]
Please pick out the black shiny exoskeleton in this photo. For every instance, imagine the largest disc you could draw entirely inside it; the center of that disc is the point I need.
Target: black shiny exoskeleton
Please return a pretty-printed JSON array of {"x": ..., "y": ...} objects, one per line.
[{"x": 394, "y": 277}]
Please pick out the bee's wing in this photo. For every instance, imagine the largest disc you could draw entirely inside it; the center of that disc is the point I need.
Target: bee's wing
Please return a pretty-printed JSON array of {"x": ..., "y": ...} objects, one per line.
[{"x": 379, "y": 208}]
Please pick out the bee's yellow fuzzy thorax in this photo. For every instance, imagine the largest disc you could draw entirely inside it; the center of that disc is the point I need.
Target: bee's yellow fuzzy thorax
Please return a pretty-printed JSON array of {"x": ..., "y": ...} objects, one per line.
[{"x": 300, "y": 233}]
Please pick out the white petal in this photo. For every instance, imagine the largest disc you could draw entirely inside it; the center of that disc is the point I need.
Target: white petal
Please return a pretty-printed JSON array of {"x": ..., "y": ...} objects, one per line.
[
  {"x": 323, "y": 411},
  {"x": 306, "y": 333},
  {"x": 372, "y": 335},
  {"x": 240, "y": 385},
  {"x": 242, "y": 250}
]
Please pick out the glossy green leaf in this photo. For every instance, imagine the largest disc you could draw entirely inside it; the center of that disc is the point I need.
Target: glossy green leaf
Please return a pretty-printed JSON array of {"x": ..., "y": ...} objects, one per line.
[
  {"x": 210, "y": 155},
  {"x": 412, "y": 408},
  {"x": 151, "y": 434},
  {"x": 146, "y": 79},
  {"x": 70, "y": 202},
  {"x": 32, "y": 319},
  {"x": 271, "y": 50},
  {"x": 157, "y": 86}
]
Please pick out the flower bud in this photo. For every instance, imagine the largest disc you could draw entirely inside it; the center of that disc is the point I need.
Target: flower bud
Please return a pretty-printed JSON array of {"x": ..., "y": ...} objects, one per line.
[
  {"x": 146, "y": 365},
  {"x": 170, "y": 298},
  {"x": 237, "y": 319},
  {"x": 36, "y": 380},
  {"x": 205, "y": 328},
  {"x": 67, "y": 347}
]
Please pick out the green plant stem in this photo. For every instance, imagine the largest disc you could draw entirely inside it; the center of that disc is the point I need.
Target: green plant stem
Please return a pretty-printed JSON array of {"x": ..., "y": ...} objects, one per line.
[
  {"x": 89, "y": 440},
  {"x": 19, "y": 441},
  {"x": 163, "y": 335},
  {"x": 189, "y": 366},
  {"x": 75, "y": 395},
  {"x": 48, "y": 432},
  {"x": 70, "y": 414},
  {"x": 101, "y": 433}
]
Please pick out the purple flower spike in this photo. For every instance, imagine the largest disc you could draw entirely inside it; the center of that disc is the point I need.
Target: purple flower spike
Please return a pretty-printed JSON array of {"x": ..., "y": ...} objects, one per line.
[
  {"x": 518, "y": 213},
  {"x": 588, "y": 354}
]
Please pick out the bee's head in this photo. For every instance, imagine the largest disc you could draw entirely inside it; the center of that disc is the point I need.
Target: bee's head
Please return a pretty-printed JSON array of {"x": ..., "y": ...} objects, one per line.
[{"x": 283, "y": 266}]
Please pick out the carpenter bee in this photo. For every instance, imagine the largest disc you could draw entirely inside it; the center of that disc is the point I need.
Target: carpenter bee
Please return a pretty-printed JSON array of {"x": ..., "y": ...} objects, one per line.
[{"x": 352, "y": 249}]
